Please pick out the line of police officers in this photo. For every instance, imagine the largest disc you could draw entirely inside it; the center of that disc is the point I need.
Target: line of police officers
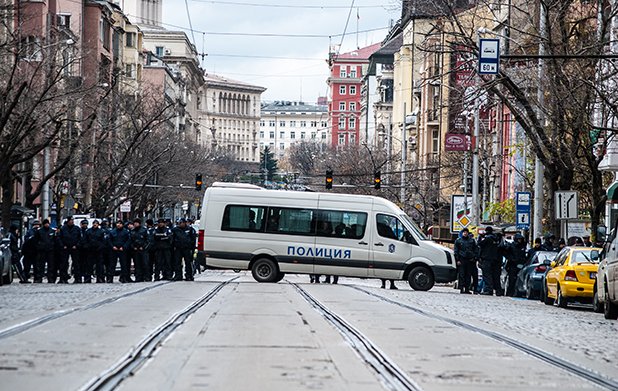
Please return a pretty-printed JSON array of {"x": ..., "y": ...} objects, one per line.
[{"x": 156, "y": 252}]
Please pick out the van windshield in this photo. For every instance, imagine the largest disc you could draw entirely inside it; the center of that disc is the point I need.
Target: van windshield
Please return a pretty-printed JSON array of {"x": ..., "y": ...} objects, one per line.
[{"x": 415, "y": 229}]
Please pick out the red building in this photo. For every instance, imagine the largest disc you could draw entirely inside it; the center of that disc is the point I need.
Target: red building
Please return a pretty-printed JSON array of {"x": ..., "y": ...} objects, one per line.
[{"x": 345, "y": 99}]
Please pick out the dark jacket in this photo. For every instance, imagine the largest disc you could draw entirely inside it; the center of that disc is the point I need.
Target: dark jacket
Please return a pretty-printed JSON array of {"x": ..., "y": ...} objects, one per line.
[
  {"x": 489, "y": 248},
  {"x": 97, "y": 239},
  {"x": 139, "y": 238},
  {"x": 14, "y": 246},
  {"x": 44, "y": 238},
  {"x": 162, "y": 238},
  {"x": 28, "y": 247},
  {"x": 466, "y": 249},
  {"x": 120, "y": 238},
  {"x": 83, "y": 238},
  {"x": 70, "y": 236},
  {"x": 516, "y": 253},
  {"x": 184, "y": 239}
]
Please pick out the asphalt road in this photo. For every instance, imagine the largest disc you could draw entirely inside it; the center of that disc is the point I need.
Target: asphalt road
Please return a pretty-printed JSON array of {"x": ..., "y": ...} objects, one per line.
[{"x": 227, "y": 332}]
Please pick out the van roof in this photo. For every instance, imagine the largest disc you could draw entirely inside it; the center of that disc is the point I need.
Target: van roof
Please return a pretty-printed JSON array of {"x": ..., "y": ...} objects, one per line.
[{"x": 236, "y": 185}]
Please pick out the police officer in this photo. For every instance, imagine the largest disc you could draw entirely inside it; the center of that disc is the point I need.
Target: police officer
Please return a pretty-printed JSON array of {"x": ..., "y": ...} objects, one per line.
[
  {"x": 44, "y": 239},
  {"x": 15, "y": 253},
  {"x": 139, "y": 250},
  {"x": 28, "y": 249},
  {"x": 184, "y": 244},
  {"x": 69, "y": 239},
  {"x": 516, "y": 258},
  {"x": 150, "y": 227},
  {"x": 162, "y": 246},
  {"x": 110, "y": 269},
  {"x": 466, "y": 252},
  {"x": 491, "y": 262},
  {"x": 97, "y": 243},
  {"x": 120, "y": 240},
  {"x": 85, "y": 262}
]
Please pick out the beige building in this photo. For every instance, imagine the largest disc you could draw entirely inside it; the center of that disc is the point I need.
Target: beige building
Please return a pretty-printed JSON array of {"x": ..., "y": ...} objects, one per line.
[{"x": 228, "y": 115}]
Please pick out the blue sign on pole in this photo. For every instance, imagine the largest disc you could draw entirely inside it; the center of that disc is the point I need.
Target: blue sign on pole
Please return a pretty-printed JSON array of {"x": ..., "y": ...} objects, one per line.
[
  {"x": 489, "y": 56},
  {"x": 522, "y": 209}
]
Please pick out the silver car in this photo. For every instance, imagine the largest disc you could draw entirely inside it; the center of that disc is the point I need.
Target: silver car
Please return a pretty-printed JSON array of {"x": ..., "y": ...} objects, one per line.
[{"x": 5, "y": 259}]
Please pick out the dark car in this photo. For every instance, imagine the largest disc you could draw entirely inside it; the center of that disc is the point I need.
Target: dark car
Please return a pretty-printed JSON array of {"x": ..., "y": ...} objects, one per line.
[
  {"x": 6, "y": 269},
  {"x": 530, "y": 277}
]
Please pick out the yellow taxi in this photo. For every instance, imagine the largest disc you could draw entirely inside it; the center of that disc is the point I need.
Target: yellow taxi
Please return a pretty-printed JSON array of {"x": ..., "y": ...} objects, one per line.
[{"x": 572, "y": 276}]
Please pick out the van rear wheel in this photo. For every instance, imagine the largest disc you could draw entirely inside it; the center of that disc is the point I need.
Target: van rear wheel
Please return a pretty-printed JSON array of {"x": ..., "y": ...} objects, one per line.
[
  {"x": 421, "y": 279},
  {"x": 265, "y": 270}
]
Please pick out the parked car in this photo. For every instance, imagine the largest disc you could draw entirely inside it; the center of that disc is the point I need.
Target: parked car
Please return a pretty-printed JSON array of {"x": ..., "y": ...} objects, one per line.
[
  {"x": 6, "y": 268},
  {"x": 573, "y": 276},
  {"x": 531, "y": 276},
  {"x": 606, "y": 288}
]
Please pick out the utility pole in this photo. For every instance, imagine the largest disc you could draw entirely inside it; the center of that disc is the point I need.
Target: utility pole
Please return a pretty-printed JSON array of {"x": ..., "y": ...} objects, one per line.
[
  {"x": 402, "y": 190},
  {"x": 539, "y": 170},
  {"x": 475, "y": 152}
]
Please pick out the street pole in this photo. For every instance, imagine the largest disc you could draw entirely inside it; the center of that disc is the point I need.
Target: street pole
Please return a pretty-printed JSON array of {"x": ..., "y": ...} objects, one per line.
[
  {"x": 475, "y": 159},
  {"x": 537, "y": 228},
  {"x": 402, "y": 190}
]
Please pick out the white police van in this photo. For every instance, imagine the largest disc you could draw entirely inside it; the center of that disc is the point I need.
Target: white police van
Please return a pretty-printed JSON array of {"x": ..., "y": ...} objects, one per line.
[{"x": 273, "y": 232}]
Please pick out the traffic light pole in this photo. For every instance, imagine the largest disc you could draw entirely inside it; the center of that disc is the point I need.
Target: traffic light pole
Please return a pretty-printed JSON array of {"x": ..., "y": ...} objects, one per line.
[{"x": 475, "y": 163}]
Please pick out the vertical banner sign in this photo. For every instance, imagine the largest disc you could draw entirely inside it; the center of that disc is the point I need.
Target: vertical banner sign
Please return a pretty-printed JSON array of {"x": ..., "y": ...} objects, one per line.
[
  {"x": 522, "y": 210},
  {"x": 489, "y": 56},
  {"x": 460, "y": 212}
]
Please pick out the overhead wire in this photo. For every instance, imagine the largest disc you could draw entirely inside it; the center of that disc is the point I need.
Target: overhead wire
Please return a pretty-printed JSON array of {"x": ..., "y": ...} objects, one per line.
[{"x": 236, "y": 3}]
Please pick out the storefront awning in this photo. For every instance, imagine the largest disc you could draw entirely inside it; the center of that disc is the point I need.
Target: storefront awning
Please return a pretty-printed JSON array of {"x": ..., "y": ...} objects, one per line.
[{"x": 612, "y": 193}]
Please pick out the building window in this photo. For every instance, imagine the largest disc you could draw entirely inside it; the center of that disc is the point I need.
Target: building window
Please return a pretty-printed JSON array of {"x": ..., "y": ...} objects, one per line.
[
  {"x": 353, "y": 72},
  {"x": 352, "y": 106},
  {"x": 159, "y": 51},
  {"x": 352, "y": 123},
  {"x": 435, "y": 145},
  {"x": 271, "y": 123},
  {"x": 281, "y": 134},
  {"x": 314, "y": 124},
  {"x": 281, "y": 146},
  {"x": 303, "y": 124},
  {"x": 342, "y": 71},
  {"x": 292, "y": 135},
  {"x": 262, "y": 122},
  {"x": 352, "y": 90},
  {"x": 271, "y": 134},
  {"x": 341, "y": 106},
  {"x": 63, "y": 21},
  {"x": 302, "y": 135},
  {"x": 324, "y": 124},
  {"x": 31, "y": 48},
  {"x": 341, "y": 90},
  {"x": 271, "y": 146},
  {"x": 129, "y": 40},
  {"x": 313, "y": 135},
  {"x": 129, "y": 71},
  {"x": 324, "y": 136},
  {"x": 282, "y": 124},
  {"x": 261, "y": 134},
  {"x": 292, "y": 124},
  {"x": 341, "y": 139},
  {"x": 341, "y": 123},
  {"x": 352, "y": 138}
]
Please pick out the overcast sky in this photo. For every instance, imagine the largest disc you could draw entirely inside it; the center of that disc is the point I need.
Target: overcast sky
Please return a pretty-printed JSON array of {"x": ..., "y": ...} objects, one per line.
[{"x": 303, "y": 69}]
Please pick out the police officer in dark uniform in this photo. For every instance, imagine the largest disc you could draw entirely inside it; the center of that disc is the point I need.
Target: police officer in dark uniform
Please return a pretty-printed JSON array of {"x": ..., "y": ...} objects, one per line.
[
  {"x": 149, "y": 254},
  {"x": 184, "y": 244},
  {"x": 107, "y": 252},
  {"x": 28, "y": 249},
  {"x": 97, "y": 243},
  {"x": 466, "y": 251},
  {"x": 85, "y": 262},
  {"x": 120, "y": 240},
  {"x": 162, "y": 246},
  {"x": 491, "y": 262},
  {"x": 139, "y": 250},
  {"x": 44, "y": 238},
  {"x": 69, "y": 240},
  {"x": 15, "y": 253},
  {"x": 516, "y": 258}
]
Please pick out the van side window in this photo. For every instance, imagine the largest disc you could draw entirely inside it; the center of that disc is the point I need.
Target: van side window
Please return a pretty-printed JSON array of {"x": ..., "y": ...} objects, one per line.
[
  {"x": 290, "y": 221},
  {"x": 390, "y": 227},
  {"x": 243, "y": 218},
  {"x": 340, "y": 224}
]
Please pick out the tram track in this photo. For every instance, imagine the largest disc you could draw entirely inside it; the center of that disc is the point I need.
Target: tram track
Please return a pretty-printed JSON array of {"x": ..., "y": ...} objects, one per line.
[
  {"x": 32, "y": 323},
  {"x": 393, "y": 377},
  {"x": 130, "y": 362},
  {"x": 574, "y": 369}
]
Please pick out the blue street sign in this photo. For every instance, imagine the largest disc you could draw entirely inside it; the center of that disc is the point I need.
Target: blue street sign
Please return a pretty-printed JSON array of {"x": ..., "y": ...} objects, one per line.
[
  {"x": 489, "y": 56},
  {"x": 522, "y": 207}
]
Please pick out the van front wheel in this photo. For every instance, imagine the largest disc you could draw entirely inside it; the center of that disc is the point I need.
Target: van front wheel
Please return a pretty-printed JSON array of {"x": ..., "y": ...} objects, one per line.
[
  {"x": 421, "y": 279},
  {"x": 265, "y": 270}
]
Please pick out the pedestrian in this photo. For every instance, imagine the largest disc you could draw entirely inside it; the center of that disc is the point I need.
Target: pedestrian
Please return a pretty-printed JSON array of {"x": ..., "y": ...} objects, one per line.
[
  {"x": 139, "y": 249},
  {"x": 516, "y": 258},
  {"x": 120, "y": 241},
  {"x": 548, "y": 243},
  {"x": 44, "y": 240},
  {"x": 28, "y": 249},
  {"x": 15, "y": 253},
  {"x": 587, "y": 241},
  {"x": 392, "y": 283},
  {"x": 69, "y": 239},
  {"x": 162, "y": 245},
  {"x": 97, "y": 244},
  {"x": 150, "y": 227},
  {"x": 561, "y": 244},
  {"x": 106, "y": 253},
  {"x": 54, "y": 271},
  {"x": 466, "y": 252},
  {"x": 184, "y": 244},
  {"x": 491, "y": 262},
  {"x": 85, "y": 262},
  {"x": 538, "y": 245}
]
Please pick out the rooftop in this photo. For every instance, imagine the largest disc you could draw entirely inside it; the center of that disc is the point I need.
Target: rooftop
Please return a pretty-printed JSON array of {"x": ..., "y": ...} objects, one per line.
[{"x": 293, "y": 107}]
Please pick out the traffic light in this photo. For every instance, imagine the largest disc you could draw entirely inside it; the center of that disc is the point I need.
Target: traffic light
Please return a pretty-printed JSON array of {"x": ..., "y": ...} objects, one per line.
[
  {"x": 377, "y": 179},
  {"x": 329, "y": 179},
  {"x": 198, "y": 182}
]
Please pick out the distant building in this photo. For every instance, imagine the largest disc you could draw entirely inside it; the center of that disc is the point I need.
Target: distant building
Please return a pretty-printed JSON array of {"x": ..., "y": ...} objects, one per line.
[
  {"x": 345, "y": 85},
  {"x": 284, "y": 123}
]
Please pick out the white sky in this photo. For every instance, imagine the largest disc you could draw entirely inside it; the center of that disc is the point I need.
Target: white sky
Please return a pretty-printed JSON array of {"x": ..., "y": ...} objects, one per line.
[{"x": 304, "y": 67}]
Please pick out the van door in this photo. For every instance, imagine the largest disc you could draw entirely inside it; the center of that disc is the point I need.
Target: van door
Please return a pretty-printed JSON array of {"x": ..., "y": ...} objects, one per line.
[
  {"x": 391, "y": 247},
  {"x": 342, "y": 240}
]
